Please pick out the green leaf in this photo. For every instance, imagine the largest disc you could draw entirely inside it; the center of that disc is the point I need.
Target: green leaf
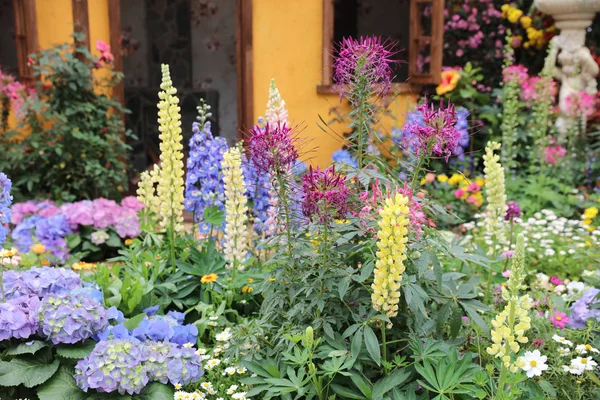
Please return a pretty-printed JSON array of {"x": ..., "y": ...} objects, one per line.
[
  {"x": 25, "y": 348},
  {"x": 389, "y": 382},
  {"x": 345, "y": 392},
  {"x": 156, "y": 391},
  {"x": 214, "y": 216},
  {"x": 372, "y": 345},
  {"x": 133, "y": 322},
  {"x": 62, "y": 386},
  {"x": 547, "y": 388},
  {"x": 76, "y": 351},
  {"x": 26, "y": 372},
  {"x": 343, "y": 287},
  {"x": 113, "y": 241}
]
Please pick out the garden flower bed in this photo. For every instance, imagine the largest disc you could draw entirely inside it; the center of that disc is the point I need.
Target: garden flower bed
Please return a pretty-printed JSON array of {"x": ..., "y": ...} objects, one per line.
[{"x": 425, "y": 272}]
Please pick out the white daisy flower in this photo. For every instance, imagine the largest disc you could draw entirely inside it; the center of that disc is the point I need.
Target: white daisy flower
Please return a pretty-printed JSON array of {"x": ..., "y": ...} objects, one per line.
[
  {"x": 232, "y": 389},
  {"x": 584, "y": 363},
  {"x": 201, "y": 352},
  {"x": 584, "y": 348},
  {"x": 241, "y": 370},
  {"x": 239, "y": 396},
  {"x": 210, "y": 364},
  {"x": 533, "y": 363},
  {"x": 206, "y": 386},
  {"x": 213, "y": 318},
  {"x": 224, "y": 336},
  {"x": 562, "y": 340},
  {"x": 229, "y": 371}
]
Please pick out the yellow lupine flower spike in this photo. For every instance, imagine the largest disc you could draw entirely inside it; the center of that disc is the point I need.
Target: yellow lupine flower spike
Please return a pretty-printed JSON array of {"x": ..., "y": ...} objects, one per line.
[
  {"x": 391, "y": 244},
  {"x": 495, "y": 191}
]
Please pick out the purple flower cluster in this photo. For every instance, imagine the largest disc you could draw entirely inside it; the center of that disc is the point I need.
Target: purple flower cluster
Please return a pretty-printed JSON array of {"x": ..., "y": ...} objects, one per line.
[
  {"x": 272, "y": 148},
  {"x": 581, "y": 310},
  {"x": 114, "y": 365},
  {"x": 127, "y": 365},
  {"x": 39, "y": 282},
  {"x": 462, "y": 126},
  {"x": 66, "y": 318},
  {"x": 512, "y": 211},
  {"x": 366, "y": 58},
  {"x": 434, "y": 132},
  {"x": 260, "y": 190},
  {"x": 325, "y": 195},
  {"x": 5, "y": 200},
  {"x": 51, "y": 224},
  {"x": 204, "y": 185},
  {"x": 18, "y": 317}
]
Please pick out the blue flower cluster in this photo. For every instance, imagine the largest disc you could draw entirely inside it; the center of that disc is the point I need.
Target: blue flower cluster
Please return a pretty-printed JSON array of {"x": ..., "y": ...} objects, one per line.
[
  {"x": 462, "y": 126},
  {"x": 204, "y": 185},
  {"x": 257, "y": 189},
  {"x": 127, "y": 365},
  {"x": 344, "y": 157},
  {"x": 66, "y": 318},
  {"x": 18, "y": 317},
  {"x": 40, "y": 281},
  {"x": 5, "y": 201},
  {"x": 170, "y": 328}
]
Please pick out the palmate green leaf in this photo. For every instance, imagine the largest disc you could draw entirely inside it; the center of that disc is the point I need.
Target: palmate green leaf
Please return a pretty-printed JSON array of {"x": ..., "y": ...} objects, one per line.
[
  {"x": 62, "y": 386},
  {"x": 347, "y": 393},
  {"x": 29, "y": 373},
  {"x": 25, "y": 348}
]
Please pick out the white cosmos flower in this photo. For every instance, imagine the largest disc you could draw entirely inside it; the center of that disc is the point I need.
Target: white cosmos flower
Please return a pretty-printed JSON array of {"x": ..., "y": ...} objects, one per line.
[
  {"x": 562, "y": 340},
  {"x": 584, "y": 363},
  {"x": 584, "y": 348},
  {"x": 533, "y": 362}
]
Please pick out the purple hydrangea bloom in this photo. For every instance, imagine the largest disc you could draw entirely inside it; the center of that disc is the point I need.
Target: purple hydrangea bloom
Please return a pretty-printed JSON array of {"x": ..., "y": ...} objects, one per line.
[
  {"x": 159, "y": 329},
  {"x": 51, "y": 233},
  {"x": 132, "y": 203},
  {"x": 80, "y": 213},
  {"x": 105, "y": 212},
  {"x": 185, "y": 366},
  {"x": 114, "y": 365},
  {"x": 127, "y": 223},
  {"x": 66, "y": 318},
  {"x": 157, "y": 356},
  {"x": 22, "y": 235},
  {"x": 581, "y": 310},
  {"x": 5, "y": 201},
  {"x": 204, "y": 186},
  {"x": 18, "y": 317},
  {"x": 183, "y": 334},
  {"x": 40, "y": 281},
  {"x": 21, "y": 210}
]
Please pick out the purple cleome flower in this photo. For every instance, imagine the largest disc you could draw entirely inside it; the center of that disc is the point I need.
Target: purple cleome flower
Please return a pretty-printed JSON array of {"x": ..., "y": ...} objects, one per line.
[
  {"x": 66, "y": 318},
  {"x": 272, "y": 148},
  {"x": 366, "y": 58},
  {"x": 325, "y": 195},
  {"x": 434, "y": 133}
]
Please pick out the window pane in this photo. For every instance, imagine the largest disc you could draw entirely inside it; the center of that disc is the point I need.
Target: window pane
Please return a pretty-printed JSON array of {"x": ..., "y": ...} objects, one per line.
[
  {"x": 425, "y": 10},
  {"x": 424, "y": 56}
]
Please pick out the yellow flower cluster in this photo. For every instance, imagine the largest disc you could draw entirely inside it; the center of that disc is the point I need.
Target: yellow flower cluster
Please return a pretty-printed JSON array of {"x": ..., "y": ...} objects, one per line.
[
  {"x": 588, "y": 217},
  {"x": 511, "y": 13},
  {"x": 276, "y": 110},
  {"x": 510, "y": 325},
  {"x": 236, "y": 208},
  {"x": 495, "y": 191},
  {"x": 392, "y": 237},
  {"x": 167, "y": 203},
  {"x": 535, "y": 38},
  {"x": 83, "y": 266}
]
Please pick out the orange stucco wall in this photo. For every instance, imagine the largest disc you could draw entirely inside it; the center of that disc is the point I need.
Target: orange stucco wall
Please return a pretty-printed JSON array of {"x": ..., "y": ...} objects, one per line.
[{"x": 287, "y": 45}]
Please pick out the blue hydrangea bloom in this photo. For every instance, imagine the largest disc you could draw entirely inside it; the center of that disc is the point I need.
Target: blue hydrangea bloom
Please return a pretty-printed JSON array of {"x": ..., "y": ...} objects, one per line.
[
  {"x": 40, "y": 281},
  {"x": 344, "y": 157},
  {"x": 204, "y": 185},
  {"x": 581, "y": 310},
  {"x": 22, "y": 234},
  {"x": 184, "y": 366},
  {"x": 65, "y": 318},
  {"x": 157, "y": 356},
  {"x": 5, "y": 201},
  {"x": 114, "y": 365}
]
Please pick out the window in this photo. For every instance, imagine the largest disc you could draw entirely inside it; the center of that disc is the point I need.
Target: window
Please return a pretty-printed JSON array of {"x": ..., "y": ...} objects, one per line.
[
  {"x": 416, "y": 26},
  {"x": 25, "y": 36}
]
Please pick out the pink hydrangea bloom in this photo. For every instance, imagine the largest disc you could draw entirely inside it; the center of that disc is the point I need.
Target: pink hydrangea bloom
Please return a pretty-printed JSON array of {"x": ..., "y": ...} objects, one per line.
[
  {"x": 20, "y": 210},
  {"x": 105, "y": 212},
  {"x": 132, "y": 202},
  {"x": 126, "y": 223}
]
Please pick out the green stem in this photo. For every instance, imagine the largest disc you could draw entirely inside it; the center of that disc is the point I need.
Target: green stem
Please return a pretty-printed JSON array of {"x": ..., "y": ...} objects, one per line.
[
  {"x": 488, "y": 289},
  {"x": 172, "y": 245},
  {"x": 417, "y": 171},
  {"x": 283, "y": 199},
  {"x": 384, "y": 343}
]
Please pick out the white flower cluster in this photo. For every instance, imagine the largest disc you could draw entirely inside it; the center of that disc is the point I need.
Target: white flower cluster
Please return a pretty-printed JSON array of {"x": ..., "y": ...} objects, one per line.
[
  {"x": 220, "y": 380},
  {"x": 583, "y": 362},
  {"x": 546, "y": 234}
]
